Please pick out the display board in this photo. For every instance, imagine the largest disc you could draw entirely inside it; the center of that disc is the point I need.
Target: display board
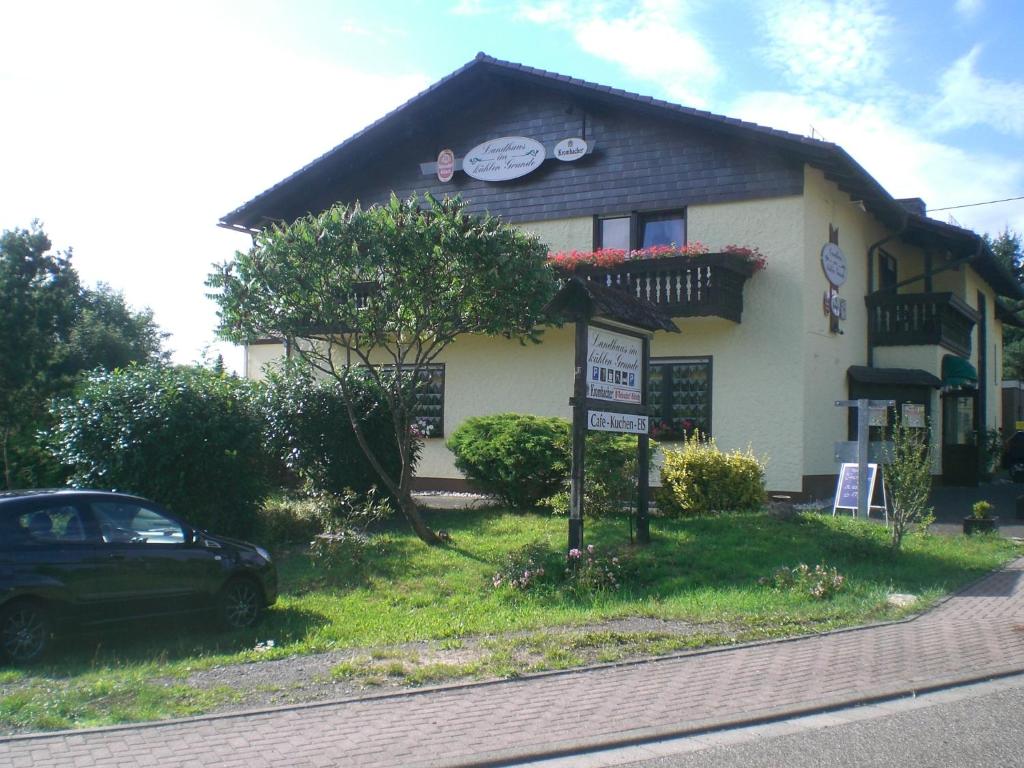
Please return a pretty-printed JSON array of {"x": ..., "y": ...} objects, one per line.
[{"x": 846, "y": 490}]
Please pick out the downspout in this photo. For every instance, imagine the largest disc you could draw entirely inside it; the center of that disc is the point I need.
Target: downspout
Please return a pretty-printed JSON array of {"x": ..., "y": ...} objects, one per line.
[{"x": 871, "y": 278}]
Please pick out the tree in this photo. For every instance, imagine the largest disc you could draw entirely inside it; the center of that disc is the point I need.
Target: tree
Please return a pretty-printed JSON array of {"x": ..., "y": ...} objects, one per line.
[
  {"x": 909, "y": 477},
  {"x": 109, "y": 334},
  {"x": 38, "y": 290},
  {"x": 1007, "y": 248},
  {"x": 385, "y": 289},
  {"x": 52, "y": 329}
]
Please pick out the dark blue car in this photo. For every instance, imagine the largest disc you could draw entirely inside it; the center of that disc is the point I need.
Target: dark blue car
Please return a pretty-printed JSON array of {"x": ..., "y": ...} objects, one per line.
[{"x": 73, "y": 559}]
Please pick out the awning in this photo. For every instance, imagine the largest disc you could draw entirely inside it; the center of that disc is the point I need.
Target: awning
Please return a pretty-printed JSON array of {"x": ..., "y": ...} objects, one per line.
[
  {"x": 958, "y": 372},
  {"x": 912, "y": 377}
]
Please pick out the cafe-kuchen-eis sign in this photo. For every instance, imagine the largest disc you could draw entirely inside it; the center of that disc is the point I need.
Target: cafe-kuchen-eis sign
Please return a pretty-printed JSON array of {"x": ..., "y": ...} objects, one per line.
[{"x": 502, "y": 159}]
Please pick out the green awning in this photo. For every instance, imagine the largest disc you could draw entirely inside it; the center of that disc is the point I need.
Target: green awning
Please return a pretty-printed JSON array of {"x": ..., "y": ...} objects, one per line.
[{"x": 958, "y": 372}]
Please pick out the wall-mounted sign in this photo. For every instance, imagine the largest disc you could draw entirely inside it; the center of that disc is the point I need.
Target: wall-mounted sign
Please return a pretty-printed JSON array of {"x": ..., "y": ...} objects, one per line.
[
  {"x": 913, "y": 415},
  {"x": 613, "y": 366},
  {"x": 445, "y": 165},
  {"x": 568, "y": 150},
  {"x": 607, "y": 421},
  {"x": 833, "y": 262},
  {"x": 503, "y": 159}
]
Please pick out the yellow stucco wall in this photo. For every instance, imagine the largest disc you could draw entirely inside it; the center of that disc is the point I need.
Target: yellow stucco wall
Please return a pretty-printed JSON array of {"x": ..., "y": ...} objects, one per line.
[
  {"x": 258, "y": 356},
  {"x": 564, "y": 234}
]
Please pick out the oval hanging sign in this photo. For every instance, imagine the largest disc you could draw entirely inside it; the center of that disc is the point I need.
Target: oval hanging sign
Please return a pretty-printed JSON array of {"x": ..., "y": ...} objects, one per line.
[
  {"x": 833, "y": 263},
  {"x": 568, "y": 150},
  {"x": 502, "y": 159}
]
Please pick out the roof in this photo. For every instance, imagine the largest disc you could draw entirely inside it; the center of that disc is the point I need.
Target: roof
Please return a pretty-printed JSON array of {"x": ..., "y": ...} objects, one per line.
[
  {"x": 914, "y": 377},
  {"x": 1007, "y": 315},
  {"x": 838, "y": 166},
  {"x": 586, "y": 299}
]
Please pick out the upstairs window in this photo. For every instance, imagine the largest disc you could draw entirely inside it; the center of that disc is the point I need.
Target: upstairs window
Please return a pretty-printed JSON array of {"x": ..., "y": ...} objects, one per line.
[
  {"x": 614, "y": 233},
  {"x": 662, "y": 229},
  {"x": 640, "y": 230}
]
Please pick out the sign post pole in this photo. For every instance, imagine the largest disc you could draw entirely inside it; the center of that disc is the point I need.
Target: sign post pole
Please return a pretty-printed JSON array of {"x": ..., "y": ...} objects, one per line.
[
  {"x": 579, "y": 439},
  {"x": 863, "y": 430},
  {"x": 643, "y": 458}
]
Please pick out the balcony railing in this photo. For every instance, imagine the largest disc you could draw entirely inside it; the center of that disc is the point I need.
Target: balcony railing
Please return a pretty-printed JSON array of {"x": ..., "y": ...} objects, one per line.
[
  {"x": 709, "y": 285},
  {"x": 921, "y": 318}
]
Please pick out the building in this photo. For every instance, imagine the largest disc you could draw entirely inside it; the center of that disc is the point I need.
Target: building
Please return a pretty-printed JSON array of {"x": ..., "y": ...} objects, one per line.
[{"x": 863, "y": 295}]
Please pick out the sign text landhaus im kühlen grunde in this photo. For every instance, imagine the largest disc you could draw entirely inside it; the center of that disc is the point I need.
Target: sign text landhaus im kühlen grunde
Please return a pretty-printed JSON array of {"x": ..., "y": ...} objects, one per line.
[{"x": 613, "y": 366}]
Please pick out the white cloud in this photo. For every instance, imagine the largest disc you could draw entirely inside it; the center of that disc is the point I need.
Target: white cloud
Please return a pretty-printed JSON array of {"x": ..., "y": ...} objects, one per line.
[
  {"x": 969, "y": 8},
  {"x": 652, "y": 39},
  {"x": 968, "y": 99},
  {"x": 554, "y": 12},
  {"x": 899, "y": 156},
  {"x": 819, "y": 44},
  {"x": 468, "y": 8}
]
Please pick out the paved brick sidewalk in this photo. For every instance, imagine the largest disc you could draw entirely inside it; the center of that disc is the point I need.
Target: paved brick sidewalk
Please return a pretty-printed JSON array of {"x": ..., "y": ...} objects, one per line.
[{"x": 978, "y": 633}]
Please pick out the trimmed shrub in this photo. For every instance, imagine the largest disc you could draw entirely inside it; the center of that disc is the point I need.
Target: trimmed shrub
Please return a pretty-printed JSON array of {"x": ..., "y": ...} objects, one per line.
[
  {"x": 699, "y": 479},
  {"x": 308, "y": 428},
  {"x": 187, "y": 437},
  {"x": 521, "y": 459}
]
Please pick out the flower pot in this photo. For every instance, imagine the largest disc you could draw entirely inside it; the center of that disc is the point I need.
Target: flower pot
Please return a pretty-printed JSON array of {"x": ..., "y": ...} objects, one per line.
[{"x": 980, "y": 525}]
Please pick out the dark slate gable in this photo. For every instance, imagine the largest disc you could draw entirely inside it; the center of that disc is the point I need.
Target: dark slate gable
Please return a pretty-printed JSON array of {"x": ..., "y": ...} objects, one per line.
[{"x": 641, "y": 162}]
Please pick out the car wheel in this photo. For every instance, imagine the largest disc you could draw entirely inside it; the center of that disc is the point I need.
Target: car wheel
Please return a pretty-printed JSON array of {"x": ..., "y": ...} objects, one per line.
[
  {"x": 25, "y": 632},
  {"x": 240, "y": 604}
]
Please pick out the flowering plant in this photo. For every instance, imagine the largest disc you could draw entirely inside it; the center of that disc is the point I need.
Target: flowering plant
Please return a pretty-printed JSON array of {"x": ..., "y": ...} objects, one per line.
[
  {"x": 422, "y": 428},
  {"x": 587, "y": 571},
  {"x": 523, "y": 569},
  {"x": 569, "y": 261},
  {"x": 753, "y": 255},
  {"x": 821, "y": 582},
  {"x": 680, "y": 429}
]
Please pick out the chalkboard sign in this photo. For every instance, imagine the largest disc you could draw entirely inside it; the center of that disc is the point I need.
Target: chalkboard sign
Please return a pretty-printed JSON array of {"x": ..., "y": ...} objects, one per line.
[{"x": 846, "y": 490}]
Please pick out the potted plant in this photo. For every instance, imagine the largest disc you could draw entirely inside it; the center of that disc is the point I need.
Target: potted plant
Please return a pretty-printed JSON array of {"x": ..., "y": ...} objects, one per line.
[{"x": 980, "y": 520}]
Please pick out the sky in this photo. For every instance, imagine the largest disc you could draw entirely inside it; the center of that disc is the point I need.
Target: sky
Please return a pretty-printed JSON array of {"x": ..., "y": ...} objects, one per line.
[{"x": 129, "y": 129}]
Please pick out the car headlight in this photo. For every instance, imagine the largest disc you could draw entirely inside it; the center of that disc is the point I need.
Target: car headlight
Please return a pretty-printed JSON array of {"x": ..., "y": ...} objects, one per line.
[{"x": 263, "y": 553}]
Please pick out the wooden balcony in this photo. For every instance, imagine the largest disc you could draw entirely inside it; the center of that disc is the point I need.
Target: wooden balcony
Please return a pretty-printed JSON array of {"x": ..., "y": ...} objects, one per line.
[
  {"x": 908, "y": 319},
  {"x": 709, "y": 285}
]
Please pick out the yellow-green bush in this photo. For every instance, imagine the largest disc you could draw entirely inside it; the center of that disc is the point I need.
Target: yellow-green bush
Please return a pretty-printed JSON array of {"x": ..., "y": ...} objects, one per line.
[{"x": 700, "y": 479}]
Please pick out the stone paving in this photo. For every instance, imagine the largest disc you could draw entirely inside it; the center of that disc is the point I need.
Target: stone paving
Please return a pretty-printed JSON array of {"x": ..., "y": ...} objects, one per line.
[{"x": 977, "y": 634}]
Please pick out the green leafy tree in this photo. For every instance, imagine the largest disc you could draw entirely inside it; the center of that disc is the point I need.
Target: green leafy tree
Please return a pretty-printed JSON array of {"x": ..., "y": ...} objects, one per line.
[
  {"x": 909, "y": 477},
  {"x": 386, "y": 288},
  {"x": 1007, "y": 248},
  {"x": 52, "y": 329},
  {"x": 38, "y": 292},
  {"x": 109, "y": 334}
]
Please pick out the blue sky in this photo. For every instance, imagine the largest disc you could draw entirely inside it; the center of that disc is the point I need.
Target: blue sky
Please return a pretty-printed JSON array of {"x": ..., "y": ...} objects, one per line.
[{"x": 130, "y": 128}]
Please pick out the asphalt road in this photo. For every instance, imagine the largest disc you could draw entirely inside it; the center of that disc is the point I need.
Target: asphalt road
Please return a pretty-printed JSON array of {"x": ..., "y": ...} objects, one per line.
[{"x": 979, "y": 725}]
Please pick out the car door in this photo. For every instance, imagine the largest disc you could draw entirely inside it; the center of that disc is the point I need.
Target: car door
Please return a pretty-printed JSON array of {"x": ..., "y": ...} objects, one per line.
[
  {"x": 160, "y": 573},
  {"x": 54, "y": 553}
]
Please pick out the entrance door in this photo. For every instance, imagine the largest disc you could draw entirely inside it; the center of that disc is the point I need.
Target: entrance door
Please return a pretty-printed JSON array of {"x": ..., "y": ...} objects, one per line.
[{"x": 959, "y": 438}]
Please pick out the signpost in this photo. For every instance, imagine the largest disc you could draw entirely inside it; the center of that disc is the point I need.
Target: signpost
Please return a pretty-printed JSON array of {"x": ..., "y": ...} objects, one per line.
[
  {"x": 609, "y": 395},
  {"x": 612, "y": 344}
]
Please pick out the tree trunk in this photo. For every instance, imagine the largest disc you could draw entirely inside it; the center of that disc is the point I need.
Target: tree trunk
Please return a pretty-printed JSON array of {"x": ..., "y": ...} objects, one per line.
[{"x": 411, "y": 511}]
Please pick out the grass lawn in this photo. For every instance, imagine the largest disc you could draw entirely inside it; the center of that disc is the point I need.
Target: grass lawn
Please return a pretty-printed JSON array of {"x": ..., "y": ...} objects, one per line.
[{"x": 703, "y": 572}]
